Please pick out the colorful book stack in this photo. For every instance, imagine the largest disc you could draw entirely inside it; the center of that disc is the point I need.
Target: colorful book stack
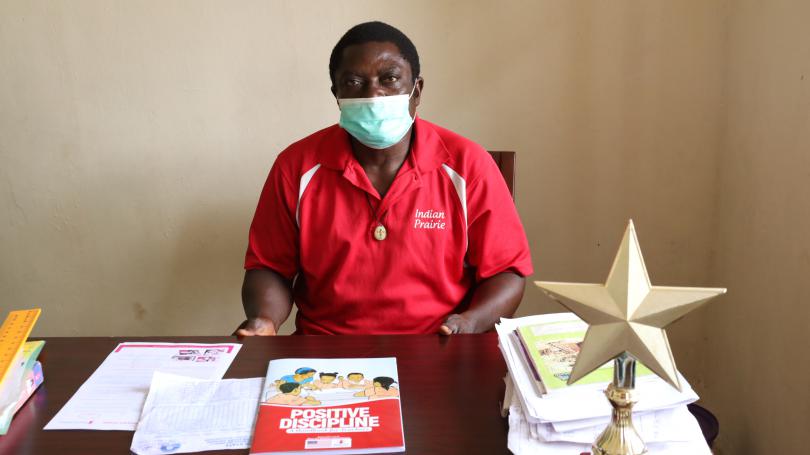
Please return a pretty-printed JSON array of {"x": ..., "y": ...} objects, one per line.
[
  {"x": 20, "y": 372},
  {"x": 548, "y": 416}
]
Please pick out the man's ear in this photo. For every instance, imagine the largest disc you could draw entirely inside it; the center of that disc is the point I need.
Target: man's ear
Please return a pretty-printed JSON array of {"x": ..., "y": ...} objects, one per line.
[{"x": 417, "y": 92}]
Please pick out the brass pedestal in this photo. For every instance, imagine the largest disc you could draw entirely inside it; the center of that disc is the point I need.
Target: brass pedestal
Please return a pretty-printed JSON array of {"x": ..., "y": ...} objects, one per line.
[{"x": 620, "y": 437}]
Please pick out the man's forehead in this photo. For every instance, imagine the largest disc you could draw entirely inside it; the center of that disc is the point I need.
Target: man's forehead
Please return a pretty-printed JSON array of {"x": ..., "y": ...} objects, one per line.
[{"x": 372, "y": 53}]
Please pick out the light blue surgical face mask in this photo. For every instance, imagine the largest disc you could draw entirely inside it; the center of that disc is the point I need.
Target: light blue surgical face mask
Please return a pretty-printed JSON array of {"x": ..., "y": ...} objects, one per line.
[{"x": 378, "y": 122}]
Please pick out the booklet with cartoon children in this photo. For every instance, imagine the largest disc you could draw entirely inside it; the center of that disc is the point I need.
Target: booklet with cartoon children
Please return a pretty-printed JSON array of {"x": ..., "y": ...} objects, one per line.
[{"x": 335, "y": 406}]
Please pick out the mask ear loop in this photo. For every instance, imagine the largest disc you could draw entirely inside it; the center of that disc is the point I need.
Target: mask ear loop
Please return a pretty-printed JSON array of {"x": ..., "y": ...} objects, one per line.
[{"x": 413, "y": 90}]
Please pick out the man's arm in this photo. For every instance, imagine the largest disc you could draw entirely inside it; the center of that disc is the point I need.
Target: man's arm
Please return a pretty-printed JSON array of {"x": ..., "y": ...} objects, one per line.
[
  {"x": 267, "y": 299},
  {"x": 493, "y": 298}
]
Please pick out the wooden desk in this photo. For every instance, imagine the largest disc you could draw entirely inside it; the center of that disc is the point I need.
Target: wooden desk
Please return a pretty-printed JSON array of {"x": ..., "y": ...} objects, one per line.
[{"x": 451, "y": 388}]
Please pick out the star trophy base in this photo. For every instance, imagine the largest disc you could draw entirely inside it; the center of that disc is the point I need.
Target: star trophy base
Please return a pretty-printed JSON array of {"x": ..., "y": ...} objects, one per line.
[{"x": 620, "y": 437}]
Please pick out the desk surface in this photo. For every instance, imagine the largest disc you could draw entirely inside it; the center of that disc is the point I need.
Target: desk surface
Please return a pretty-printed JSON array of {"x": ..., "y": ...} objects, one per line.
[{"x": 451, "y": 388}]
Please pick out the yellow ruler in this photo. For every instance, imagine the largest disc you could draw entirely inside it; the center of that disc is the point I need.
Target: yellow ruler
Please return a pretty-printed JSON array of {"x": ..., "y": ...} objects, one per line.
[{"x": 13, "y": 334}]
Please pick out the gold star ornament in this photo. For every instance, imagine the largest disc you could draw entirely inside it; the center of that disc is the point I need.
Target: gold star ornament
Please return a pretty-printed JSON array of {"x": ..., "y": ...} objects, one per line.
[{"x": 627, "y": 313}]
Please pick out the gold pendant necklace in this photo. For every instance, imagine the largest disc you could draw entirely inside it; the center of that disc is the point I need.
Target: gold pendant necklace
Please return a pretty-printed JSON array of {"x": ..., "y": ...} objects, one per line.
[{"x": 380, "y": 232}]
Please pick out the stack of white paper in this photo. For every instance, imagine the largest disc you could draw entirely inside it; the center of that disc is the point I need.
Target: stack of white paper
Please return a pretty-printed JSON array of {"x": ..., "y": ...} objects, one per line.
[
  {"x": 568, "y": 421},
  {"x": 184, "y": 414}
]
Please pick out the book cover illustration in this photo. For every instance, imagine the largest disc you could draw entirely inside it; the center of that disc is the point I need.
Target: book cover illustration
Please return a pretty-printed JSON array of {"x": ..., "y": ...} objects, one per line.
[
  {"x": 552, "y": 347},
  {"x": 336, "y": 406}
]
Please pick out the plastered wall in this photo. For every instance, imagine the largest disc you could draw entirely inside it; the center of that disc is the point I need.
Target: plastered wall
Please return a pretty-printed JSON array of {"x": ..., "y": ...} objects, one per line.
[
  {"x": 755, "y": 362},
  {"x": 135, "y": 137}
]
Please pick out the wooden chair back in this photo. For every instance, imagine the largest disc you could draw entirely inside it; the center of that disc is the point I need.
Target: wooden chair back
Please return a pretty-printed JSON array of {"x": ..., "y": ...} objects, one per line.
[{"x": 506, "y": 163}]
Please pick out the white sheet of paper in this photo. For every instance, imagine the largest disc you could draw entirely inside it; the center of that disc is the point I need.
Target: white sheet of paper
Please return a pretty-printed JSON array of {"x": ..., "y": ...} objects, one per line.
[
  {"x": 638, "y": 417},
  {"x": 521, "y": 442},
  {"x": 667, "y": 425},
  {"x": 112, "y": 397},
  {"x": 588, "y": 402},
  {"x": 190, "y": 415}
]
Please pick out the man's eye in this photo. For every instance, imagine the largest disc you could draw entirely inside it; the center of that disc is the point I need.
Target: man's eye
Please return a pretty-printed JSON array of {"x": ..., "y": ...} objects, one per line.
[
  {"x": 390, "y": 78},
  {"x": 353, "y": 83}
]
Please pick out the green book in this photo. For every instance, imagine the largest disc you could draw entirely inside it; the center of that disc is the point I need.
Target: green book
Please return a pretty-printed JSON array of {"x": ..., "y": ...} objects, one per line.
[{"x": 551, "y": 349}]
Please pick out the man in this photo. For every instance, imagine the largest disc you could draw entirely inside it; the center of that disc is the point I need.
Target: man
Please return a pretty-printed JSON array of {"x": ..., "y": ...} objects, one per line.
[
  {"x": 326, "y": 381},
  {"x": 303, "y": 375},
  {"x": 381, "y": 388},
  {"x": 384, "y": 223},
  {"x": 291, "y": 395},
  {"x": 355, "y": 381}
]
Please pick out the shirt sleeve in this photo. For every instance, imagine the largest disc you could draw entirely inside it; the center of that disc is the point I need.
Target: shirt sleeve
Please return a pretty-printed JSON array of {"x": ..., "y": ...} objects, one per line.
[
  {"x": 273, "y": 238},
  {"x": 497, "y": 242}
]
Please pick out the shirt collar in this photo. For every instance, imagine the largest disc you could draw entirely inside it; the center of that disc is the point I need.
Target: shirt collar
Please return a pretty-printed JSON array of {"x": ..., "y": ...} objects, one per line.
[{"x": 427, "y": 153}]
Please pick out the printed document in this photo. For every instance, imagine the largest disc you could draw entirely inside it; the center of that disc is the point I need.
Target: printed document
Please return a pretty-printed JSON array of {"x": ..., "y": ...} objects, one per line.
[
  {"x": 190, "y": 415},
  {"x": 112, "y": 398}
]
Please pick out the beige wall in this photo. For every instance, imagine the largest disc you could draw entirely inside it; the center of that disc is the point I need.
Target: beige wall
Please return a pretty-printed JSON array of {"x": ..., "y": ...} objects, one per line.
[
  {"x": 755, "y": 341},
  {"x": 135, "y": 137}
]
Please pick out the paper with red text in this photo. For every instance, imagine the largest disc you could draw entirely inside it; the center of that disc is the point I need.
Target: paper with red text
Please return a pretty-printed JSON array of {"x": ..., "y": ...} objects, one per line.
[{"x": 112, "y": 397}]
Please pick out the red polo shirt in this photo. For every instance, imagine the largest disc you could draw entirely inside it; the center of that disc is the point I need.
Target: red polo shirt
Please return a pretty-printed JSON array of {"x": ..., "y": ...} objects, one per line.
[{"x": 449, "y": 217}]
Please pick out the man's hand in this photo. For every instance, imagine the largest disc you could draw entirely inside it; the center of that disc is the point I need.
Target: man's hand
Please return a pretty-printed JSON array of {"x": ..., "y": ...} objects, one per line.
[
  {"x": 493, "y": 298},
  {"x": 257, "y": 327},
  {"x": 457, "y": 323}
]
